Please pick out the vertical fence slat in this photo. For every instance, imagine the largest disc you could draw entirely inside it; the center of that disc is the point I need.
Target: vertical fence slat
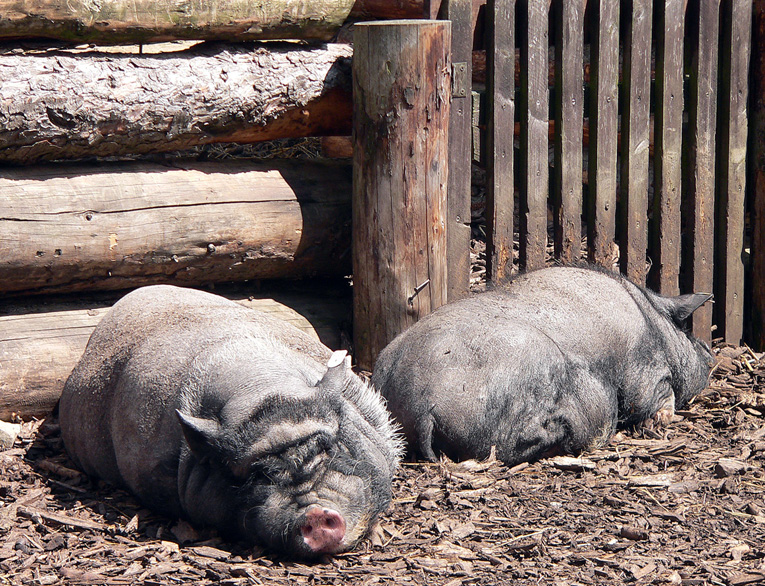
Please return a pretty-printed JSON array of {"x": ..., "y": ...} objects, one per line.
[
  {"x": 633, "y": 233},
  {"x": 534, "y": 137},
  {"x": 460, "y": 13},
  {"x": 500, "y": 127},
  {"x": 734, "y": 92},
  {"x": 569, "y": 112},
  {"x": 604, "y": 114},
  {"x": 757, "y": 306},
  {"x": 664, "y": 240},
  {"x": 701, "y": 168}
]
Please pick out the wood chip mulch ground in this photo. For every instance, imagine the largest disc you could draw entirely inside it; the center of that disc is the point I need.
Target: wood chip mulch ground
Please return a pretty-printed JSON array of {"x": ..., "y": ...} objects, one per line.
[{"x": 684, "y": 504}]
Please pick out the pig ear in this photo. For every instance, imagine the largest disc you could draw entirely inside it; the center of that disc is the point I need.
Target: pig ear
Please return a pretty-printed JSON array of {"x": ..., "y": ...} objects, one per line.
[
  {"x": 337, "y": 367},
  {"x": 201, "y": 434},
  {"x": 682, "y": 306}
]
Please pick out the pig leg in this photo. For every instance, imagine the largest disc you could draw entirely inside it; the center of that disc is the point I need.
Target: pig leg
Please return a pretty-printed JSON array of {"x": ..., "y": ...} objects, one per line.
[
  {"x": 424, "y": 436},
  {"x": 666, "y": 412}
]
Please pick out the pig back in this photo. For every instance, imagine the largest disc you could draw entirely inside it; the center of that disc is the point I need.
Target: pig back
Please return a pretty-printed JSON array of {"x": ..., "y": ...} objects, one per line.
[
  {"x": 586, "y": 312},
  {"x": 118, "y": 405}
]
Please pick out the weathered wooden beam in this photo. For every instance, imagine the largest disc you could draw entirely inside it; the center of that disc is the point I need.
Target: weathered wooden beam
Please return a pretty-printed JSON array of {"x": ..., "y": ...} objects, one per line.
[
  {"x": 731, "y": 190},
  {"x": 534, "y": 108},
  {"x": 699, "y": 256},
  {"x": 401, "y": 118},
  {"x": 756, "y": 336},
  {"x": 67, "y": 106},
  {"x": 664, "y": 236},
  {"x": 146, "y": 21},
  {"x": 604, "y": 120},
  {"x": 41, "y": 342},
  {"x": 115, "y": 226},
  {"x": 635, "y": 134},
  {"x": 458, "y": 217},
  {"x": 500, "y": 189},
  {"x": 569, "y": 110}
]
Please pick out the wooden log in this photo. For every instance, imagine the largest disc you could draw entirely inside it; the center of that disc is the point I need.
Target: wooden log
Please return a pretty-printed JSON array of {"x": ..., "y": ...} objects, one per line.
[
  {"x": 535, "y": 167},
  {"x": 147, "y": 21},
  {"x": 699, "y": 256},
  {"x": 636, "y": 100},
  {"x": 40, "y": 343},
  {"x": 401, "y": 101},
  {"x": 729, "y": 245},
  {"x": 604, "y": 116},
  {"x": 500, "y": 190},
  {"x": 115, "y": 226},
  {"x": 66, "y": 106},
  {"x": 665, "y": 228},
  {"x": 458, "y": 216},
  {"x": 569, "y": 110}
]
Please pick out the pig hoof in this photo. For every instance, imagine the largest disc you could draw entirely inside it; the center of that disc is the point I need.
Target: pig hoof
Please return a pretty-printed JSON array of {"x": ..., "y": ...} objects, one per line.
[
  {"x": 323, "y": 530},
  {"x": 664, "y": 416}
]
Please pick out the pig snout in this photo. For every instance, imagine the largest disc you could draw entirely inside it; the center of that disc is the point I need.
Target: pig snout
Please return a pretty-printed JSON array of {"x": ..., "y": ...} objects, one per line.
[{"x": 323, "y": 530}]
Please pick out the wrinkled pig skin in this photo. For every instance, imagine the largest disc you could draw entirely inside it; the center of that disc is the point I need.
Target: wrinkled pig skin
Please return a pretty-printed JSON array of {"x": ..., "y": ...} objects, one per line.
[
  {"x": 551, "y": 363},
  {"x": 233, "y": 419}
]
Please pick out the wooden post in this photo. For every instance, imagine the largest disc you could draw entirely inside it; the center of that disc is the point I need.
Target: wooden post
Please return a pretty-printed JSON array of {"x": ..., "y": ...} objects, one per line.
[
  {"x": 636, "y": 100},
  {"x": 664, "y": 237},
  {"x": 401, "y": 87},
  {"x": 729, "y": 227},
  {"x": 460, "y": 14},
  {"x": 500, "y": 190},
  {"x": 757, "y": 335},
  {"x": 534, "y": 185},
  {"x": 604, "y": 119},
  {"x": 569, "y": 108},
  {"x": 701, "y": 168}
]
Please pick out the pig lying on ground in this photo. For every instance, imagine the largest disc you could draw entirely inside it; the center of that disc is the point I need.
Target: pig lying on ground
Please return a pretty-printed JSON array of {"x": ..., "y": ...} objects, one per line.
[
  {"x": 231, "y": 418},
  {"x": 551, "y": 364}
]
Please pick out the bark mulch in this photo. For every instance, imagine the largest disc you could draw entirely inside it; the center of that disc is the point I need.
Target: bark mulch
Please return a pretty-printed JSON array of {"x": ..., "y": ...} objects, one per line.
[{"x": 683, "y": 504}]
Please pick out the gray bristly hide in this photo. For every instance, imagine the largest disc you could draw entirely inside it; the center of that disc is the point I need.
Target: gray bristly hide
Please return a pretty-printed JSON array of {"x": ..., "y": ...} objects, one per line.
[
  {"x": 552, "y": 363},
  {"x": 233, "y": 419}
]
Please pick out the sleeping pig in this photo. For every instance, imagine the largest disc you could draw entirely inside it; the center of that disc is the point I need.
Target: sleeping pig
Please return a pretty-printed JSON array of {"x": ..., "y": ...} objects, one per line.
[
  {"x": 552, "y": 363},
  {"x": 233, "y": 419}
]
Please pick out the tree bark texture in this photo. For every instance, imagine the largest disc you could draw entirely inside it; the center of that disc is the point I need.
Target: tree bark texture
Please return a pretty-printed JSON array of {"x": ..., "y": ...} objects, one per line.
[
  {"x": 40, "y": 344},
  {"x": 114, "y": 226},
  {"x": 61, "y": 106},
  {"x": 401, "y": 122},
  {"x": 143, "y": 21},
  {"x": 147, "y": 21}
]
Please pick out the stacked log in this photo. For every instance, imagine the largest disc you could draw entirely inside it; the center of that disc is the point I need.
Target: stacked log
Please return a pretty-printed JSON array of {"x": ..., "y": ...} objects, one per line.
[
  {"x": 121, "y": 225},
  {"x": 78, "y": 106}
]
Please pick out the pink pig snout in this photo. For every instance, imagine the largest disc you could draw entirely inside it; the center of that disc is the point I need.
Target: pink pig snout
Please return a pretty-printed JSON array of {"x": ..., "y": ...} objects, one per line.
[{"x": 323, "y": 530}]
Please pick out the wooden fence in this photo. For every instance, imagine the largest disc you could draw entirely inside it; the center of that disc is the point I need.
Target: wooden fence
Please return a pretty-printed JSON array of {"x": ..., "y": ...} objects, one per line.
[{"x": 643, "y": 104}]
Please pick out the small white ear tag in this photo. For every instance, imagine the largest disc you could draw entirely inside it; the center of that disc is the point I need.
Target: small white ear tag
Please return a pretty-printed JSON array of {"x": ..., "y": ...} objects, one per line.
[{"x": 337, "y": 358}]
